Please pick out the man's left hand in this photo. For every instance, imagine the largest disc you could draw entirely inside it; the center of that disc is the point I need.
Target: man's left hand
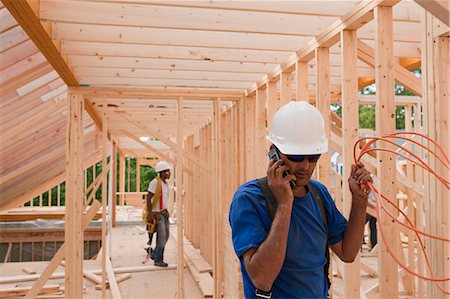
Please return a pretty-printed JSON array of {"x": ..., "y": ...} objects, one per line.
[{"x": 359, "y": 175}]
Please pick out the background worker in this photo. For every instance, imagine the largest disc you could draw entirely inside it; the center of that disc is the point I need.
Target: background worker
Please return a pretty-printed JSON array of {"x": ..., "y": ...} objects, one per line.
[{"x": 157, "y": 203}]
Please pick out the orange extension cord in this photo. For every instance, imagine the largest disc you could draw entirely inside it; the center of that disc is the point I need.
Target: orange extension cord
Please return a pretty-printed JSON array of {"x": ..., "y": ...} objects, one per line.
[{"x": 366, "y": 148}]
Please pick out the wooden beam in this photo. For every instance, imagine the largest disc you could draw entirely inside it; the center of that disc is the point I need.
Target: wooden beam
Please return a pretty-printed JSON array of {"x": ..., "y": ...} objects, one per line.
[
  {"x": 355, "y": 19},
  {"x": 92, "y": 113},
  {"x": 30, "y": 23},
  {"x": 152, "y": 149},
  {"x": 217, "y": 203},
  {"x": 260, "y": 134},
  {"x": 23, "y": 79},
  {"x": 285, "y": 88},
  {"x": 104, "y": 195},
  {"x": 302, "y": 92},
  {"x": 114, "y": 183},
  {"x": 163, "y": 139},
  {"x": 27, "y": 167},
  {"x": 112, "y": 282},
  {"x": 323, "y": 101},
  {"x": 74, "y": 196},
  {"x": 59, "y": 256},
  {"x": 179, "y": 194},
  {"x": 438, "y": 8},
  {"x": 350, "y": 134},
  {"x": 142, "y": 93},
  {"x": 385, "y": 124},
  {"x": 273, "y": 103},
  {"x": 402, "y": 75}
]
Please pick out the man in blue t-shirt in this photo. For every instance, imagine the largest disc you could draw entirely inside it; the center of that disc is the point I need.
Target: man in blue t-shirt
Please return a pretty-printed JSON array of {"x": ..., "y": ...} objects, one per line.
[{"x": 285, "y": 258}]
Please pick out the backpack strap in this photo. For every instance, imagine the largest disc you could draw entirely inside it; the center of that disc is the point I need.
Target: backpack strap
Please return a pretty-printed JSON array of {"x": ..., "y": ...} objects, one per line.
[
  {"x": 319, "y": 200},
  {"x": 316, "y": 195},
  {"x": 271, "y": 202}
]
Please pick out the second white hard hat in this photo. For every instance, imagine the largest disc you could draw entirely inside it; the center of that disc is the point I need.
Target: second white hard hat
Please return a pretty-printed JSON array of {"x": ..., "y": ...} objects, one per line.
[
  {"x": 161, "y": 166},
  {"x": 298, "y": 129}
]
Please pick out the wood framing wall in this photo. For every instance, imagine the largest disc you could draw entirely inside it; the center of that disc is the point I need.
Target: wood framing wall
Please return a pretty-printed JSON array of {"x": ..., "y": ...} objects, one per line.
[{"x": 221, "y": 144}]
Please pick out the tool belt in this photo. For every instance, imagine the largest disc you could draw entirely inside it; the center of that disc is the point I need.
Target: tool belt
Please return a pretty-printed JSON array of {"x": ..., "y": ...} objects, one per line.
[{"x": 164, "y": 213}]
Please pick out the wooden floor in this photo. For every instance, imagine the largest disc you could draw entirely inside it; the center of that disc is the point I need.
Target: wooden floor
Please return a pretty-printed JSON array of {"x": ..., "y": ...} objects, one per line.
[
  {"x": 127, "y": 251},
  {"x": 129, "y": 239}
]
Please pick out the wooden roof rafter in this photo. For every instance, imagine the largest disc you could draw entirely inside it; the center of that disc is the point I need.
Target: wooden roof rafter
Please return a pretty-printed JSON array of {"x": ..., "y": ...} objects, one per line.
[
  {"x": 355, "y": 19},
  {"x": 27, "y": 19}
]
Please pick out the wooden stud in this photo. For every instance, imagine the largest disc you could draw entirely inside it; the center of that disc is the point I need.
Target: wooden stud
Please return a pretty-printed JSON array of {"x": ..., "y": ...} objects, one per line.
[
  {"x": 122, "y": 179},
  {"x": 408, "y": 279},
  {"x": 179, "y": 184},
  {"x": 30, "y": 23},
  {"x": 302, "y": 81},
  {"x": 385, "y": 124},
  {"x": 138, "y": 175},
  {"x": 104, "y": 195},
  {"x": 113, "y": 160},
  {"x": 350, "y": 134},
  {"x": 273, "y": 103},
  {"x": 74, "y": 196},
  {"x": 59, "y": 256},
  {"x": 261, "y": 159},
  {"x": 216, "y": 202},
  {"x": 285, "y": 88},
  {"x": 323, "y": 102}
]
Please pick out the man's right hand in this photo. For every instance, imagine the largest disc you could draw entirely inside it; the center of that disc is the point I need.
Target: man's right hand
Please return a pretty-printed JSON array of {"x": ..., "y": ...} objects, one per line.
[
  {"x": 150, "y": 217},
  {"x": 278, "y": 184}
]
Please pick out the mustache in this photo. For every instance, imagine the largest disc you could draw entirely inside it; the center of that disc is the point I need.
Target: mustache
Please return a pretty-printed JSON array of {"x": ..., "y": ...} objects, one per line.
[{"x": 302, "y": 173}]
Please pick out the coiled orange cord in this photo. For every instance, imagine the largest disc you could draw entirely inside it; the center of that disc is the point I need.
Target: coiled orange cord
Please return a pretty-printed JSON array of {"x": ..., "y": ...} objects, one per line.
[{"x": 380, "y": 206}]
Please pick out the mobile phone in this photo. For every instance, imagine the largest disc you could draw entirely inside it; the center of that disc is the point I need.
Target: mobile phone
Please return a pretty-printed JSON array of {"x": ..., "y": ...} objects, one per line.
[{"x": 275, "y": 156}]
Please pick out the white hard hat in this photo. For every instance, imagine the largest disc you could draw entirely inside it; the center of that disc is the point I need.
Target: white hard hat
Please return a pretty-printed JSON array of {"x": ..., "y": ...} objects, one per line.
[
  {"x": 161, "y": 166},
  {"x": 298, "y": 129}
]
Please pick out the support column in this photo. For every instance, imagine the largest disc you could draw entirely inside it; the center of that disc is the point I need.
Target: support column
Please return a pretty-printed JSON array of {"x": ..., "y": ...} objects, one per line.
[
  {"x": 385, "y": 124},
  {"x": 138, "y": 175},
  {"x": 323, "y": 102},
  {"x": 261, "y": 159},
  {"x": 122, "y": 180},
  {"x": 74, "y": 196},
  {"x": 216, "y": 202},
  {"x": 114, "y": 183},
  {"x": 350, "y": 134},
  {"x": 273, "y": 103},
  {"x": 179, "y": 182},
  {"x": 104, "y": 194},
  {"x": 285, "y": 88},
  {"x": 302, "y": 81}
]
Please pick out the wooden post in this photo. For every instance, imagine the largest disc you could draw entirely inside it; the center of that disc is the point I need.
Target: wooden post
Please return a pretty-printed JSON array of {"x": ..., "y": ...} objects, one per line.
[
  {"x": 216, "y": 206},
  {"x": 285, "y": 88},
  {"x": 385, "y": 124},
  {"x": 323, "y": 102},
  {"x": 122, "y": 180},
  {"x": 114, "y": 183},
  {"x": 138, "y": 175},
  {"x": 129, "y": 174},
  {"x": 408, "y": 280},
  {"x": 241, "y": 141},
  {"x": 74, "y": 196},
  {"x": 104, "y": 195},
  {"x": 261, "y": 159},
  {"x": 273, "y": 103},
  {"x": 179, "y": 182},
  {"x": 250, "y": 107},
  {"x": 302, "y": 81},
  {"x": 442, "y": 63},
  {"x": 350, "y": 134}
]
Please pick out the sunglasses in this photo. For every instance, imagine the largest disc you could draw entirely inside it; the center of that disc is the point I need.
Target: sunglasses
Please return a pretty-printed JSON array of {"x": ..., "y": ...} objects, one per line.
[{"x": 300, "y": 158}]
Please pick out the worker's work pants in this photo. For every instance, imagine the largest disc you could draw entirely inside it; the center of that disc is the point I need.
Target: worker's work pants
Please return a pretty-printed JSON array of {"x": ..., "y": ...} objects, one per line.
[{"x": 162, "y": 235}]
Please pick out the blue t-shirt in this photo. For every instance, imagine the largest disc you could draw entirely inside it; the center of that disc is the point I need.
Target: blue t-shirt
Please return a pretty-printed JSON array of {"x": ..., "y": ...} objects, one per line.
[{"x": 302, "y": 273}]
